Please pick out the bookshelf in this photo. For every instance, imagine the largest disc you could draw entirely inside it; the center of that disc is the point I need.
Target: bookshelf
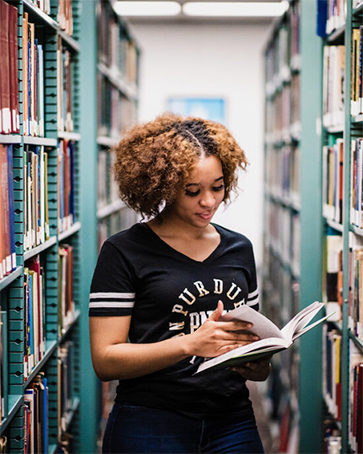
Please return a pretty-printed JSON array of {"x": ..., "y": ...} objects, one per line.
[
  {"x": 40, "y": 311},
  {"x": 117, "y": 59},
  {"x": 329, "y": 239},
  {"x": 283, "y": 213},
  {"x": 50, "y": 155}
]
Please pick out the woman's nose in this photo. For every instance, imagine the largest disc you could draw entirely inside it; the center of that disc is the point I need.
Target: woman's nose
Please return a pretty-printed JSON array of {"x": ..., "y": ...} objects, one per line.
[{"x": 207, "y": 199}]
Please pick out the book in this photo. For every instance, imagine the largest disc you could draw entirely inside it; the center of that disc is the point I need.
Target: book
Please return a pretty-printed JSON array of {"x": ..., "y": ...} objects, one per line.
[{"x": 272, "y": 339}]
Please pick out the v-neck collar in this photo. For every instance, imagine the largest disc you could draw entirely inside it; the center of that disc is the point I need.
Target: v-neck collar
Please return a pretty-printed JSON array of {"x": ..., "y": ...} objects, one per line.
[{"x": 175, "y": 252}]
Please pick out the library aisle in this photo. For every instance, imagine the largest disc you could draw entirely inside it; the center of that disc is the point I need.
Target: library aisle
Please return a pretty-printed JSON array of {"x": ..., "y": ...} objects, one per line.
[{"x": 85, "y": 75}]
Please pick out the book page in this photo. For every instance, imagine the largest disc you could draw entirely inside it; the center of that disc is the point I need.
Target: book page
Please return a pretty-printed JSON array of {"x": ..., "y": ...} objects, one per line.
[
  {"x": 308, "y": 328},
  {"x": 262, "y": 326},
  {"x": 297, "y": 323}
]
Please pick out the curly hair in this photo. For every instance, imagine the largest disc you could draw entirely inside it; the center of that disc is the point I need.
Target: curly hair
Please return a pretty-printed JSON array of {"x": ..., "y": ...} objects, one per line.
[{"x": 154, "y": 159}]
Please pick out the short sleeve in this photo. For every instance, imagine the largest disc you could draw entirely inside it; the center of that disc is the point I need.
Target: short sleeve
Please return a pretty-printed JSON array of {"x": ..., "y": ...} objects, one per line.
[
  {"x": 253, "y": 293},
  {"x": 112, "y": 288}
]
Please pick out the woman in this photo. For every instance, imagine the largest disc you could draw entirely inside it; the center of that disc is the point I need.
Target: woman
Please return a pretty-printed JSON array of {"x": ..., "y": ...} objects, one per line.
[{"x": 159, "y": 289}]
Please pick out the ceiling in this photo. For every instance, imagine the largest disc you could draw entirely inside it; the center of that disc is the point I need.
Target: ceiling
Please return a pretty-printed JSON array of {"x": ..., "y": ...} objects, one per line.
[{"x": 203, "y": 19}]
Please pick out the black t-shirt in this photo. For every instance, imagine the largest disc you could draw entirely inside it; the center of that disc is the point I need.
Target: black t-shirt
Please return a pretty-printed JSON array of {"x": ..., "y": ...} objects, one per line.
[{"x": 169, "y": 294}]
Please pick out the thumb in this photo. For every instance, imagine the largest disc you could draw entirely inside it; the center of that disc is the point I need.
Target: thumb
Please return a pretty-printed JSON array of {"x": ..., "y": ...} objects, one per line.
[{"x": 218, "y": 312}]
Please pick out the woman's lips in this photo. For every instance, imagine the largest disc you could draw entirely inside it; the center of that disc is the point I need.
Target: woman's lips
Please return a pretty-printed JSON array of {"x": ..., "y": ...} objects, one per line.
[{"x": 206, "y": 215}]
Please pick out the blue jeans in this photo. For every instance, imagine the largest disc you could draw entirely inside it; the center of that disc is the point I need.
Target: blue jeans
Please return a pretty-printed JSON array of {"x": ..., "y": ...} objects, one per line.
[{"x": 134, "y": 429}]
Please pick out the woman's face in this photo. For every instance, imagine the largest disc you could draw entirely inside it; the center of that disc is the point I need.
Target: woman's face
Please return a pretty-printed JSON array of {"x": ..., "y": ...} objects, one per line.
[{"x": 202, "y": 194}]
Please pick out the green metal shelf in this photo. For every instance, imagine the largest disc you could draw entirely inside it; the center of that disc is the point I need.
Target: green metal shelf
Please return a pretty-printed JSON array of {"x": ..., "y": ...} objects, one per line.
[
  {"x": 356, "y": 230},
  {"x": 15, "y": 402},
  {"x": 70, "y": 413},
  {"x": 50, "y": 348},
  {"x": 110, "y": 209},
  {"x": 76, "y": 227},
  {"x": 128, "y": 90},
  {"x": 334, "y": 225},
  {"x": 41, "y": 248},
  {"x": 69, "y": 417},
  {"x": 337, "y": 36},
  {"x": 357, "y": 342},
  {"x": 10, "y": 138},
  {"x": 76, "y": 137},
  {"x": 47, "y": 20},
  {"x": 358, "y": 119},
  {"x": 357, "y": 11},
  {"x": 336, "y": 129},
  {"x": 76, "y": 317},
  {"x": 28, "y": 140},
  {"x": 7, "y": 280},
  {"x": 110, "y": 142}
]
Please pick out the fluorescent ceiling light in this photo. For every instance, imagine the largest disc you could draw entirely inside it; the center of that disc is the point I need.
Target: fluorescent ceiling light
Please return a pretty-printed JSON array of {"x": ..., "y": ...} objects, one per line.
[
  {"x": 147, "y": 8},
  {"x": 235, "y": 9}
]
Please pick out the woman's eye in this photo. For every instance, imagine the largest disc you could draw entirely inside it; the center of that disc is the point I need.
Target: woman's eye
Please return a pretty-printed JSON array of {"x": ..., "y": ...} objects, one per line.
[
  {"x": 192, "y": 193},
  {"x": 218, "y": 188}
]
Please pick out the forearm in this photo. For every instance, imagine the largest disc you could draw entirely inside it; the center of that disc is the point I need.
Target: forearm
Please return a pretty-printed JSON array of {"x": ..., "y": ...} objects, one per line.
[{"x": 128, "y": 360}]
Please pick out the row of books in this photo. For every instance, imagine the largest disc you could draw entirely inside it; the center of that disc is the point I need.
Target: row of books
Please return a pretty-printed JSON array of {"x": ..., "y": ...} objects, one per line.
[
  {"x": 336, "y": 15},
  {"x": 66, "y": 365},
  {"x": 115, "y": 222},
  {"x": 34, "y": 319},
  {"x": 355, "y": 417},
  {"x": 284, "y": 234},
  {"x": 35, "y": 304},
  {"x": 37, "y": 409},
  {"x": 64, "y": 87},
  {"x": 333, "y": 157},
  {"x": 282, "y": 290},
  {"x": 65, "y": 16},
  {"x": 3, "y": 366},
  {"x": 36, "y": 413},
  {"x": 107, "y": 189},
  {"x": 33, "y": 74},
  {"x": 282, "y": 172},
  {"x": 356, "y": 217},
  {"x": 66, "y": 152},
  {"x": 66, "y": 307},
  {"x": 33, "y": 80},
  {"x": 333, "y": 86},
  {"x": 332, "y": 436},
  {"x": 333, "y": 280},
  {"x": 36, "y": 212},
  {"x": 116, "y": 112},
  {"x": 9, "y": 104},
  {"x": 333, "y": 274},
  {"x": 355, "y": 295},
  {"x": 356, "y": 79},
  {"x": 7, "y": 215},
  {"x": 282, "y": 58},
  {"x": 44, "y": 5},
  {"x": 115, "y": 49},
  {"x": 332, "y": 374},
  {"x": 283, "y": 111}
]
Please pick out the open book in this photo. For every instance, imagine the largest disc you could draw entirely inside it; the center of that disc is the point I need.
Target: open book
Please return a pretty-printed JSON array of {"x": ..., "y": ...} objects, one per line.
[{"x": 272, "y": 339}]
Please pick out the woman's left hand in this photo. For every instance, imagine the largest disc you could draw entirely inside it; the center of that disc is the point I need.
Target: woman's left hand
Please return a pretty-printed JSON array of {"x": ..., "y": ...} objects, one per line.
[{"x": 255, "y": 370}]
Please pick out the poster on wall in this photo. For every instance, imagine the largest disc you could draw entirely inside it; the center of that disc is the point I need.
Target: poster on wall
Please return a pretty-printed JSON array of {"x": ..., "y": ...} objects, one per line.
[{"x": 207, "y": 108}]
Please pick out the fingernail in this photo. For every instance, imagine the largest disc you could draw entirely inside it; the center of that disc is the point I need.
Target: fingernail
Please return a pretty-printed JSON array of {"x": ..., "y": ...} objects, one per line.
[
  {"x": 249, "y": 325},
  {"x": 255, "y": 338}
]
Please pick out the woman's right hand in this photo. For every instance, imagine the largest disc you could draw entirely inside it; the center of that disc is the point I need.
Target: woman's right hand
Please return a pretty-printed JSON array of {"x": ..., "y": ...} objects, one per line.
[{"x": 215, "y": 337}]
